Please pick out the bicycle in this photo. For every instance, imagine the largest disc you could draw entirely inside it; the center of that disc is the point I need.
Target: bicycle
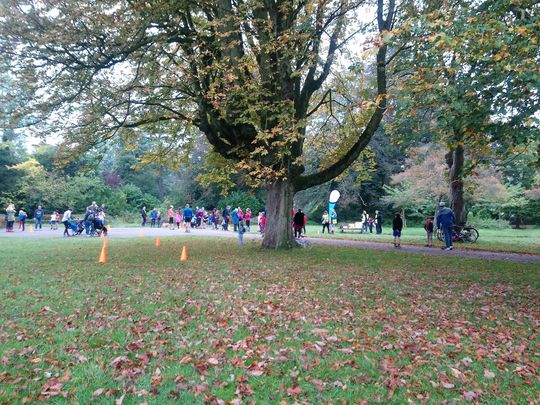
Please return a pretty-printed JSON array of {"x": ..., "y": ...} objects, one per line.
[{"x": 461, "y": 234}]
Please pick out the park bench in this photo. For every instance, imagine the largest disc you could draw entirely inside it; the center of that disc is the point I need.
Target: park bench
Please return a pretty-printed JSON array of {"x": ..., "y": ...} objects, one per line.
[{"x": 355, "y": 226}]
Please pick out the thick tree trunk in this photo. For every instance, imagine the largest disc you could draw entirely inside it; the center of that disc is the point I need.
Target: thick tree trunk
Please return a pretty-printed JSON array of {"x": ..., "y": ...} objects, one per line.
[
  {"x": 456, "y": 162},
  {"x": 279, "y": 200}
]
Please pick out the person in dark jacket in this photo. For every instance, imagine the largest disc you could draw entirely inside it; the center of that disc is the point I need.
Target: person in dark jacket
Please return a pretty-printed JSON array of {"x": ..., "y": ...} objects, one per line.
[
  {"x": 378, "y": 222},
  {"x": 298, "y": 221},
  {"x": 143, "y": 216},
  {"x": 428, "y": 226},
  {"x": 38, "y": 217},
  {"x": 225, "y": 214},
  {"x": 397, "y": 226},
  {"x": 445, "y": 221}
]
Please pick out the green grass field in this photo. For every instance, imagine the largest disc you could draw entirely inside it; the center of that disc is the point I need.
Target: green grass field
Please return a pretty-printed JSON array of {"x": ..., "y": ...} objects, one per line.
[
  {"x": 317, "y": 325},
  {"x": 498, "y": 240}
]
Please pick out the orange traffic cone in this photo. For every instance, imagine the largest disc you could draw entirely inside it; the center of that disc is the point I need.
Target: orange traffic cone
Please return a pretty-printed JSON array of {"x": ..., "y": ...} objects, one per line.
[
  {"x": 30, "y": 229},
  {"x": 103, "y": 255},
  {"x": 183, "y": 256},
  {"x": 141, "y": 234},
  {"x": 158, "y": 242}
]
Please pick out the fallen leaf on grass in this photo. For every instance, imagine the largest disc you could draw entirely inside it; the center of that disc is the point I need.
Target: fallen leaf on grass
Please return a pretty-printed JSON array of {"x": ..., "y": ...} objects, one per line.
[
  {"x": 318, "y": 384},
  {"x": 447, "y": 385},
  {"x": 118, "y": 401},
  {"x": 294, "y": 391},
  {"x": 66, "y": 377},
  {"x": 457, "y": 374},
  {"x": 51, "y": 388},
  {"x": 98, "y": 392},
  {"x": 489, "y": 374},
  {"x": 470, "y": 395},
  {"x": 213, "y": 361},
  {"x": 467, "y": 361}
]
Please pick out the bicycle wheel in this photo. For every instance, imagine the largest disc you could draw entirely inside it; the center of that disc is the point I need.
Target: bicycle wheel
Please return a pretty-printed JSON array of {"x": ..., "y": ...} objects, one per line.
[
  {"x": 440, "y": 235},
  {"x": 470, "y": 235}
]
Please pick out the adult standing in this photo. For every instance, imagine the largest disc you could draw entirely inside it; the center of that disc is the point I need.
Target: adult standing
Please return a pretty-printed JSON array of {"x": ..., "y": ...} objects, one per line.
[
  {"x": 38, "y": 217},
  {"x": 378, "y": 222},
  {"x": 100, "y": 216},
  {"x": 153, "y": 217},
  {"x": 143, "y": 216},
  {"x": 365, "y": 221},
  {"x": 200, "y": 217},
  {"x": 65, "y": 220},
  {"x": 235, "y": 219},
  {"x": 89, "y": 217},
  {"x": 188, "y": 216},
  {"x": 325, "y": 221},
  {"x": 225, "y": 214},
  {"x": 247, "y": 217},
  {"x": 298, "y": 221},
  {"x": 445, "y": 221},
  {"x": 170, "y": 215},
  {"x": 10, "y": 211},
  {"x": 397, "y": 227}
]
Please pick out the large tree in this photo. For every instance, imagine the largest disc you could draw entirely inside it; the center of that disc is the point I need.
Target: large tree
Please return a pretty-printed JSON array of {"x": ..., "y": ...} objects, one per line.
[
  {"x": 245, "y": 72},
  {"x": 470, "y": 77}
]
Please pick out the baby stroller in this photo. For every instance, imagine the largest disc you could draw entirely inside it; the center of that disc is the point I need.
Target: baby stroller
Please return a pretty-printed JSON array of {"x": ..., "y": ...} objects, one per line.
[
  {"x": 75, "y": 227},
  {"x": 79, "y": 227},
  {"x": 99, "y": 228}
]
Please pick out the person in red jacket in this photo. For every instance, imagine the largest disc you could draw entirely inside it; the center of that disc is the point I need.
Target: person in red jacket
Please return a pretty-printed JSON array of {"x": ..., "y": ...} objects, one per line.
[{"x": 428, "y": 226}]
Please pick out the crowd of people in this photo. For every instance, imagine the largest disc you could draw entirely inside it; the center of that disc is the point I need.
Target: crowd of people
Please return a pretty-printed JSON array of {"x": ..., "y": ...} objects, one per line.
[
  {"x": 188, "y": 218},
  {"x": 92, "y": 220},
  {"x": 11, "y": 216},
  {"x": 239, "y": 220}
]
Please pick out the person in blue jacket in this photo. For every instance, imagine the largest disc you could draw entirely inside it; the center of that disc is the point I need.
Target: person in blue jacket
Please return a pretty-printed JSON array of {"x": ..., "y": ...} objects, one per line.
[
  {"x": 188, "y": 216},
  {"x": 38, "y": 217},
  {"x": 445, "y": 221},
  {"x": 153, "y": 218},
  {"x": 235, "y": 219}
]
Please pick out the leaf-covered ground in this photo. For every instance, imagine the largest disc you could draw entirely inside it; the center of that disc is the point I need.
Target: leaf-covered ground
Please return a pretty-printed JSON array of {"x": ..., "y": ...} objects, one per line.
[{"x": 318, "y": 325}]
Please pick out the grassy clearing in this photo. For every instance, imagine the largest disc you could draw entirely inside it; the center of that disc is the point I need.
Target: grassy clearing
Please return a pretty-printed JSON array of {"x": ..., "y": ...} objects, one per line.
[
  {"x": 314, "y": 325},
  {"x": 497, "y": 240}
]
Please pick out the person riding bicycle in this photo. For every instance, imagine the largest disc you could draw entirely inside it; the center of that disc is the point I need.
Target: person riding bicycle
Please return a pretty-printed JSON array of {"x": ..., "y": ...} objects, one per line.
[{"x": 445, "y": 221}]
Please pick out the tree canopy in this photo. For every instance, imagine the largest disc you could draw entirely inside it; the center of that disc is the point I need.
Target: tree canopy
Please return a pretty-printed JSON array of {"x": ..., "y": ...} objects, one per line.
[{"x": 243, "y": 72}]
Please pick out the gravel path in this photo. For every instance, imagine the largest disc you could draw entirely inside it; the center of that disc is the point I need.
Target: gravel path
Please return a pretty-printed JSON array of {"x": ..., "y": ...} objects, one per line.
[{"x": 405, "y": 249}]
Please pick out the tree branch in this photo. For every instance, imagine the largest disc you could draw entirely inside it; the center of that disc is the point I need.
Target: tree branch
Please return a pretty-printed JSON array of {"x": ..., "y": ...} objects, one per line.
[{"x": 327, "y": 174}]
